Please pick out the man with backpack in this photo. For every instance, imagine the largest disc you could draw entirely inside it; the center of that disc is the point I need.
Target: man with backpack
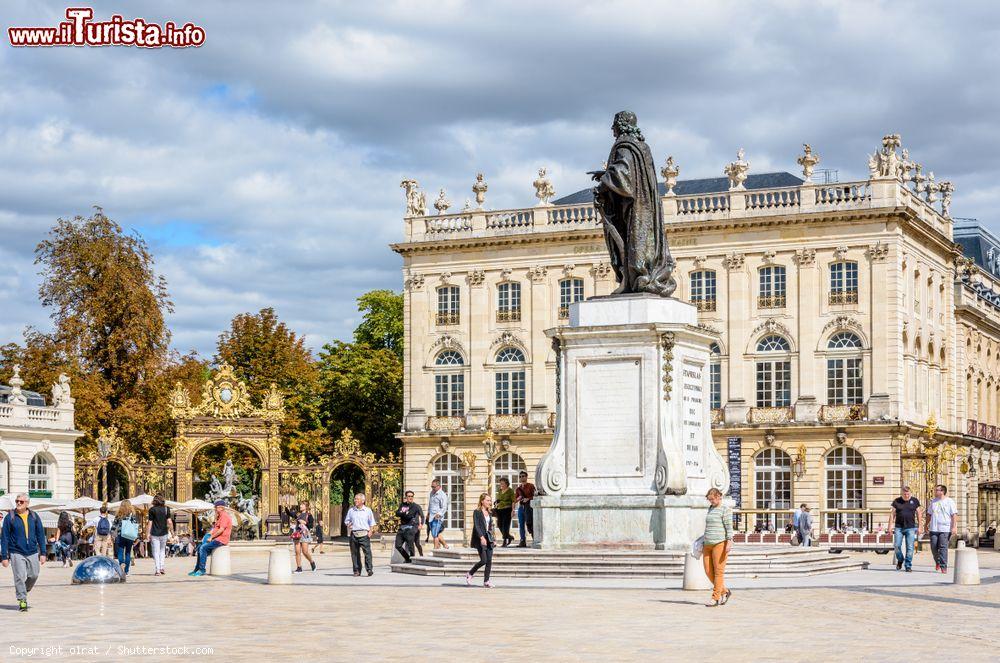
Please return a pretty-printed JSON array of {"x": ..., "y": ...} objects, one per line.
[
  {"x": 102, "y": 533},
  {"x": 22, "y": 547}
]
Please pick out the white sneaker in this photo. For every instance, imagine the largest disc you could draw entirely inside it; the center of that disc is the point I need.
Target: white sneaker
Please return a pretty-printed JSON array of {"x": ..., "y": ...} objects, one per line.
[{"x": 468, "y": 580}]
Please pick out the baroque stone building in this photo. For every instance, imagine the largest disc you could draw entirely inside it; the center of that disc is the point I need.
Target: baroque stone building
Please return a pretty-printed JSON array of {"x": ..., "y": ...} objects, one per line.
[{"x": 857, "y": 349}]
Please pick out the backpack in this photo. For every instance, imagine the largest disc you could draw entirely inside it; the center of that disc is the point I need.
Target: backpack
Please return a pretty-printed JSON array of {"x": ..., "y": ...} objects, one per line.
[{"x": 103, "y": 526}]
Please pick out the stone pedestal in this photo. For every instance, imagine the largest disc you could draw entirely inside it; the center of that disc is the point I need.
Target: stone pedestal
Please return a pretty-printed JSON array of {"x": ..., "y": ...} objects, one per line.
[{"x": 632, "y": 455}]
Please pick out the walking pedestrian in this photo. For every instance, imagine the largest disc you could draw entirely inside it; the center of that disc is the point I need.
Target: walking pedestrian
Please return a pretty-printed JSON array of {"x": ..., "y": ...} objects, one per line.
[
  {"x": 360, "y": 523},
  {"x": 505, "y": 510},
  {"x": 318, "y": 533},
  {"x": 216, "y": 538},
  {"x": 904, "y": 521},
  {"x": 159, "y": 526},
  {"x": 22, "y": 547},
  {"x": 482, "y": 539},
  {"x": 411, "y": 516},
  {"x": 437, "y": 509},
  {"x": 942, "y": 524},
  {"x": 302, "y": 537},
  {"x": 125, "y": 530},
  {"x": 102, "y": 533},
  {"x": 718, "y": 543},
  {"x": 525, "y": 519},
  {"x": 804, "y": 527},
  {"x": 66, "y": 539}
]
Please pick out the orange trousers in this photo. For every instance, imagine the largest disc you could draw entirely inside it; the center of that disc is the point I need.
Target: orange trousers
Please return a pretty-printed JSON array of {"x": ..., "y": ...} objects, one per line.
[{"x": 714, "y": 556}]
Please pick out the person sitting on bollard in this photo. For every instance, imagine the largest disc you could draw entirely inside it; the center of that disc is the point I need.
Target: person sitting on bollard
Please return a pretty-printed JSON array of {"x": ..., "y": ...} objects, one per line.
[{"x": 218, "y": 537}]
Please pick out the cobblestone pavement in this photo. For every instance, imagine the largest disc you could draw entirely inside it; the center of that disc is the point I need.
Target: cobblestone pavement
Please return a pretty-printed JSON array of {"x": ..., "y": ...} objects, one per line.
[{"x": 330, "y": 615}]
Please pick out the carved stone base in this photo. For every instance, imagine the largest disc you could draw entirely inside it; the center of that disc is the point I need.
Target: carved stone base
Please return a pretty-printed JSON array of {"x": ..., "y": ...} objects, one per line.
[{"x": 806, "y": 409}]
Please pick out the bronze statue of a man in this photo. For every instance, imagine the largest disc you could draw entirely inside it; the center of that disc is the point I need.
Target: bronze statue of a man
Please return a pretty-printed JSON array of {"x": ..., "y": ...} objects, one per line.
[{"x": 628, "y": 201}]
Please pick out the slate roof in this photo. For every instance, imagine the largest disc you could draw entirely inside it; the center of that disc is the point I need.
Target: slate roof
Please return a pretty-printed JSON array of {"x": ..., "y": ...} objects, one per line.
[
  {"x": 704, "y": 185},
  {"x": 32, "y": 397},
  {"x": 977, "y": 242}
]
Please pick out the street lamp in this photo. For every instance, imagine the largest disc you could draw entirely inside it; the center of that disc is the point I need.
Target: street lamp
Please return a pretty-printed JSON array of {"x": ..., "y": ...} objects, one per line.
[
  {"x": 105, "y": 441},
  {"x": 799, "y": 464}
]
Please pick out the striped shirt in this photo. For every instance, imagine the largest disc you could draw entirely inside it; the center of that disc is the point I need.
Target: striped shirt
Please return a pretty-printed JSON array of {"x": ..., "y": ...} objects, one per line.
[{"x": 718, "y": 524}]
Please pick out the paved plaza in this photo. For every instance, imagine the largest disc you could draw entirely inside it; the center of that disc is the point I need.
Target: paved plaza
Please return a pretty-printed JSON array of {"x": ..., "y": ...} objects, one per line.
[{"x": 329, "y": 615}]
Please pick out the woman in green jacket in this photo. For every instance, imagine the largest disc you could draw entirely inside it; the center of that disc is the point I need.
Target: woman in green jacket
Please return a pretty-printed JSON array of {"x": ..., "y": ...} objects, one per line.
[
  {"x": 718, "y": 543},
  {"x": 504, "y": 508}
]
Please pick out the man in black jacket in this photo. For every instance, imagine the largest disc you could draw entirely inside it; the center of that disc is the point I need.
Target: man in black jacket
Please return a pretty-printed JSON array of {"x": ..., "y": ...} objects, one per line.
[{"x": 411, "y": 516}]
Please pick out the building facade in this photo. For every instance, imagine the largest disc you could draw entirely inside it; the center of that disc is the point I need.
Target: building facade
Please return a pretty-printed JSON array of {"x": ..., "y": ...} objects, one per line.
[
  {"x": 37, "y": 441},
  {"x": 846, "y": 318}
]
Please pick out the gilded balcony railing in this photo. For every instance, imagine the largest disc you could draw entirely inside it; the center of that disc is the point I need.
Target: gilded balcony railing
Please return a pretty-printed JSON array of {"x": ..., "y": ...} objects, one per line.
[
  {"x": 507, "y": 421},
  {"x": 563, "y": 312},
  {"x": 445, "y": 423},
  {"x": 509, "y": 315},
  {"x": 844, "y": 297},
  {"x": 853, "y": 412},
  {"x": 770, "y": 415},
  {"x": 716, "y": 416},
  {"x": 771, "y": 301},
  {"x": 704, "y": 304},
  {"x": 447, "y": 318}
]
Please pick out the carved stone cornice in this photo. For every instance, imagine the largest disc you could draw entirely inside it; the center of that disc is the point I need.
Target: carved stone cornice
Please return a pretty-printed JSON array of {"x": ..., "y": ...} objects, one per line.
[
  {"x": 538, "y": 273},
  {"x": 772, "y": 326},
  {"x": 842, "y": 322},
  {"x": 508, "y": 338},
  {"x": 448, "y": 342},
  {"x": 878, "y": 252}
]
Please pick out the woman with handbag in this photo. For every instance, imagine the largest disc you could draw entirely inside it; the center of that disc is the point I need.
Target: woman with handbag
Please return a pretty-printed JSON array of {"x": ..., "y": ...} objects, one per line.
[
  {"x": 126, "y": 531},
  {"x": 482, "y": 539}
]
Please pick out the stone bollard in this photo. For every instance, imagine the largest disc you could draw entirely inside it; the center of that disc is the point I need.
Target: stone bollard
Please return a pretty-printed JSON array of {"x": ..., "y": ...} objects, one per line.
[
  {"x": 220, "y": 563},
  {"x": 279, "y": 567},
  {"x": 396, "y": 558},
  {"x": 694, "y": 574},
  {"x": 966, "y": 565}
]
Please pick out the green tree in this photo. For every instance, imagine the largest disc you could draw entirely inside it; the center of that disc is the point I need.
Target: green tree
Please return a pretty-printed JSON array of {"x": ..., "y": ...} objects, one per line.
[
  {"x": 382, "y": 325},
  {"x": 362, "y": 382},
  {"x": 263, "y": 350}
]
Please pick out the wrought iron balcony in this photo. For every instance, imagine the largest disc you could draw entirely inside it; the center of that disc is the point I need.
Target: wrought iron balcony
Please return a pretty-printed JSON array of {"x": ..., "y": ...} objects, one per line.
[
  {"x": 717, "y": 417},
  {"x": 564, "y": 312},
  {"x": 771, "y": 415},
  {"x": 445, "y": 423},
  {"x": 704, "y": 304},
  {"x": 448, "y": 318},
  {"x": 844, "y": 297},
  {"x": 509, "y": 422},
  {"x": 509, "y": 315},
  {"x": 771, "y": 301}
]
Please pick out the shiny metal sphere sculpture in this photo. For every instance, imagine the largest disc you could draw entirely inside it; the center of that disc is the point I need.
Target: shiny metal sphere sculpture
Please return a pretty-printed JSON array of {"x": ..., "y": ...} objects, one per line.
[{"x": 98, "y": 570}]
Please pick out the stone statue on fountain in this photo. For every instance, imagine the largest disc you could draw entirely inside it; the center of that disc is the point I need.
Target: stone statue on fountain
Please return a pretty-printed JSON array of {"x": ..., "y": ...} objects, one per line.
[{"x": 229, "y": 476}]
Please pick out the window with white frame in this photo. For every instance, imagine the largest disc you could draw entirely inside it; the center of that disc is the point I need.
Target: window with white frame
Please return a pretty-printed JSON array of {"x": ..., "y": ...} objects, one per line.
[
  {"x": 449, "y": 305},
  {"x": 39, "y": 478},
  {"x": 570, "y": 292},
  {"x": 772, "y": 487},
  {"x": 845, "y": 488},
  {"x": 774, "y": 376},
  {"x": 510, "y": 390},
  {"x": 508, "y": 302},
  {"x": 715, "y": 376},
  {"x": 844, "y": 384},
  {"x": 703, "y": 289},
  {"x": 772, "y": 287},
  {"x": 448, "y": 470},
  {"x": 449, "y": 387},
  {"x": 844, "y": 282}
]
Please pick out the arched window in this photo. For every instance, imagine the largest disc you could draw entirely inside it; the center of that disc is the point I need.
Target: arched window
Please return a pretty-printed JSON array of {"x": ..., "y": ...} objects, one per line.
[
  {"x": 510, "y": 391},
  {"x": 507, "y": 466},
  {"x": 844, "y": 383},
  {"x": 508, "y": 302},
  {"x": 40, "y": 477},
  {"x": 772, "y": 487},
  {"x": 448, "y": 305},
  {"x": 715, "y": 376},
  {"x": 449, "y": 387},
  {"x": 570, "y": 292},
  {"x": 844, "y": 282},
  {"x": 448, "y": 470},
  {"x": 774, "y": 376},
  {"x": 772, "y": 287},
  {"x": 703, "y": 289},
  {"x": 845, "y": 488}
]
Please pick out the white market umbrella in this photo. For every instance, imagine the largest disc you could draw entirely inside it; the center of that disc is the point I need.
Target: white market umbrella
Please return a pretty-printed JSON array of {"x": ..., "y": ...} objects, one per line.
[
  {"x": 78, "y": 505},
  {"x": 193, "y": 506}
]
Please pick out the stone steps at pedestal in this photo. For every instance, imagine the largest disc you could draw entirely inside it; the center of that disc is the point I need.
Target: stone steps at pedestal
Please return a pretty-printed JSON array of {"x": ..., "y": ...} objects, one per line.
[{"x": 742, "y": 563}]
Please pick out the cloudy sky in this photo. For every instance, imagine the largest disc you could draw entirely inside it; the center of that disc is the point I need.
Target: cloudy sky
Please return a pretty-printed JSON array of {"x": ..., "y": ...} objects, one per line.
[{"x": 263, "y": 168}]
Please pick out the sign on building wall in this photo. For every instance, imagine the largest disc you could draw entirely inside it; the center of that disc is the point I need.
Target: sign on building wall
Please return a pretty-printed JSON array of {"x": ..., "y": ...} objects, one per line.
[{"x": 735, "y": 449}]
